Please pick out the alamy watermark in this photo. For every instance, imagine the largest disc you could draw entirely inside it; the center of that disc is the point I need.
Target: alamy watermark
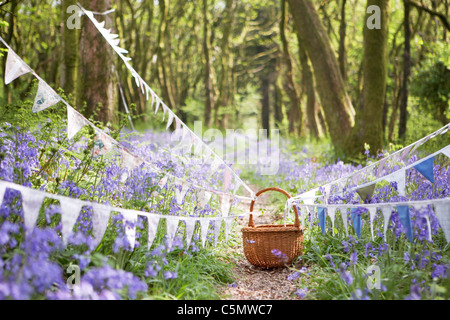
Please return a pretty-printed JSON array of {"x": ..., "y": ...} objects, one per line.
[{"x": 74, "y": 280}]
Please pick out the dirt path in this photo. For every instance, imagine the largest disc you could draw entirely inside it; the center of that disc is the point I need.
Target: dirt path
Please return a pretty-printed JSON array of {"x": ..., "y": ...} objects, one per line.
[{"x": 253, "y": 283}]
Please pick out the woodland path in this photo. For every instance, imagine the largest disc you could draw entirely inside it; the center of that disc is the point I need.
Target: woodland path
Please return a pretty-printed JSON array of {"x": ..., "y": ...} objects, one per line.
[{"x": 253, "y": 283}]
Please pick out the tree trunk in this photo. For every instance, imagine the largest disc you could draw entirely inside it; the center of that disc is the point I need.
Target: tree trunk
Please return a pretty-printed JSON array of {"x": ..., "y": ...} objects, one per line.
[
  {"x": 369, "y": 120},
  {"x": 207, "y": 63},
  {"x": 225, "y": 81},
  {"x": 406, "y": 72},
  {"x": 69, "y": 51},
  {"x": 339, "y": 112},
  {"x": 265, "y": 103},
  {"x": 312, "y": 107},
  {"x": 342, "y": 53},
  {"x": 295, "y": 112},
  {"x": 95, "y": 83}
]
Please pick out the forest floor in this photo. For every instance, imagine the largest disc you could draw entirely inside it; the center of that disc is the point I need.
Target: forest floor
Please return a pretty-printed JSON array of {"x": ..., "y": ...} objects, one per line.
[{"x": 254, "y": 283}]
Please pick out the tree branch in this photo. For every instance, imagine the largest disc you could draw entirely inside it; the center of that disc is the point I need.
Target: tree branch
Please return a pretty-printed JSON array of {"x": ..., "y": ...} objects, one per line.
[{"x": 441, "y": 16}]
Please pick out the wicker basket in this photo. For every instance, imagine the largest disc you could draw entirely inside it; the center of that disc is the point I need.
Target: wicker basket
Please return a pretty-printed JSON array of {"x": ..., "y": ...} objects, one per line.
[{"x": 270, "y": 246}]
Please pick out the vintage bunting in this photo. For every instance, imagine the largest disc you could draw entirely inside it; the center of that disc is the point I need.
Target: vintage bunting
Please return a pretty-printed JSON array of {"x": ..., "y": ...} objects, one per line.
[
  {"x": 15, "y": 67},
  {"x": 31, "y": 204},
  {"x": 100, "y": 219},
  {"x": 70, "y": 210},
  {"x": 442, "y": 212},
  {"x": 75, "y": 122},
  {"x": 45, "y": 97}
]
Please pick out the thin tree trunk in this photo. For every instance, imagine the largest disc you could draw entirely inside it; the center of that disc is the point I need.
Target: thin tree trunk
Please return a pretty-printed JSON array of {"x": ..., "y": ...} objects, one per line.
[
  {"x": 207, "y": 63},
  {"x": 69, "y": 48},
  {"x": 342, "y": 34},
  {"x": 312, "y": 107},
  {"x": 295, "y": 112},
  {"x": 406, "y": 72}
]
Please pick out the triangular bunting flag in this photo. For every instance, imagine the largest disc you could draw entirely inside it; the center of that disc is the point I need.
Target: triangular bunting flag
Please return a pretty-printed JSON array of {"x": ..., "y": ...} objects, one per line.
[
  {"x": 163, "y": 181},
  {"x": 331, "y": 211},
  {"x": 405, "y": 152},
  {"x": 102, "y": 145},
  {"x": 426, "y": 169},
  {"x": 170, "y": 119},
  {"x": 100, "y": 219},
  {"x": 180, "y": 194},
  {"x": 45, "y": 97},
  {"x": 31, "y": 204},
  {"x": 71, "y": 209},
  {"x": 380, "y": 167},
  {"x": 129, "y": 224},
  {"x": 372, "y": 214},
  {"x": 2, "y": 193},
  {"x": 344, "y": 219},
  {"x": 356, "y": 220},
  {"x": 398, "y": 177},
  {"x": 75, "y": 122},
  {"x": 172, "y": 226},
  {"x": 217, "y": 225},
  {"x": 403, "y": 214},
  {"x": 321, "y": 214},
  {"x": 203, "y": 197},
  {"x": 153, "y": 221},
  {"x": 387, "y": 212},
  {"x": 442, "y": 211},
  {"x": 190, "y": 226},
  {"x": 15, "y": 67},
  {"x": 204, "y": 226},
  {"x": 225, "y": 204},
  {"x": 446, "y": 151},
  {"x": 366, "y": 192},
  {"x": 228, "y": 221}
]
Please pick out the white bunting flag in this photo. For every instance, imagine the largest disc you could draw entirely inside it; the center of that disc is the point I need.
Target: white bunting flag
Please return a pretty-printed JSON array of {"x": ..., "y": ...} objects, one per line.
[
  {"x": 153, "y": 222},
  {"x": 332, "y": 214},
  {"x": 70, "y": 210},
  {"x": 45, "y": 97},
  {"x": 31, "y": 204},
  {"x": 228, "y": 221},
  {"x": 387, "y": 212},
  {"x": 372, "y": 214},
  {"x": 172, "y": 226},
  {"x": 380, "y": 167},
  {"x": 129, "y": 161},
  {"x": 15, "y": 67},
  {"x": 442, "y": 212},
  {"x": 180, "y": 194},
  {"x": 225, "y": 204},
  {"x": 190, "y": 226},
  {"x": 204, "y": 226},
  {"x": 100, "y": 218},
  {"x": 446, "y": 151},
  {"x": 217, "y": 225},
  {"x": 129, "y": 225},
  {"x": 344, "y": 219},
  {"x": 170, "y": 119},
  {"x": 398, "y": 177},
  {"x": 203, "y": 198},
  {"x": 2, "y": 193},
  {"x": 163, "y": 181},
  {"x": 75, "y": 122}
]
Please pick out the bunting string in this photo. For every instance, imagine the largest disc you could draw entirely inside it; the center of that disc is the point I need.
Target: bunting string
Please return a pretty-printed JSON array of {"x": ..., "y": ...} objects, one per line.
[
  {"x": 32, "y": 200},
  {"x": 113, "y": 41},
  {"x": 47, "y": 97},
  {"x": 374, "y": 169}
]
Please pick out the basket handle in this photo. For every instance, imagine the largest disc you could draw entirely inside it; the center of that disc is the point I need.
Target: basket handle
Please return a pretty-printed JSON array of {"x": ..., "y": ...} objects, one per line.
[{"x": 250, "y": 221}]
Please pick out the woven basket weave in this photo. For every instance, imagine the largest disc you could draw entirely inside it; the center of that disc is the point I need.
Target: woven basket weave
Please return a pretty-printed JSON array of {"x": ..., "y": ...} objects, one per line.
[{"x": 269, "y": 246}]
